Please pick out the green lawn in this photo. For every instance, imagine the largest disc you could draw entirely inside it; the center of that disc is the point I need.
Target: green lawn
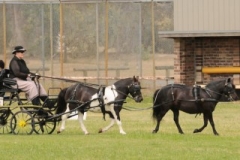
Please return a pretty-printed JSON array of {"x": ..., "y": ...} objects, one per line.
[{"x": 138, "y": 143}]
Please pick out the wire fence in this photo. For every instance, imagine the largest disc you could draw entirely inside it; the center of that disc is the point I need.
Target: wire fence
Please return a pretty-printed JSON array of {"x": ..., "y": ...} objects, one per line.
[{"x": 92, "y": 41}]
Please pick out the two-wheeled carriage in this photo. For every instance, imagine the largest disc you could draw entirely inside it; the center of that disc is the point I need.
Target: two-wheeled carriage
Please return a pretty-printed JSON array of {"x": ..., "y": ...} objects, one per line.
[
  {"x": 35, "y": 118},
  {"x": 19, "y": 116}
]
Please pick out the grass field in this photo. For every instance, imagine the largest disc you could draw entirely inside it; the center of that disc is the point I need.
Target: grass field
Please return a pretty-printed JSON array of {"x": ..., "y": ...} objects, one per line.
[{"x": 138, "y": 143}]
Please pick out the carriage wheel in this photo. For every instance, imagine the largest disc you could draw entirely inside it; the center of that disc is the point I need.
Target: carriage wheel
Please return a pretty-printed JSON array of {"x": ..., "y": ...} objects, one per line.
[
  {"x": 5, "y": 122},
  {"x": 44, "y": 125},
  {"x": 23, "y": 124}
]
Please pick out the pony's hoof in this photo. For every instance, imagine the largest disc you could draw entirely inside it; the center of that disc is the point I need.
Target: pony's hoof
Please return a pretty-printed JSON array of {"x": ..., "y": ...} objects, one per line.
[
  {"x": 196, "y": 131},
  {"x": 100, "y": 131},
  {"x": 122, "y": 132},
  {"x": 154, "y": 131},
  {"x": 87, "y": 133},
  {"x": 58, "y": 132}
]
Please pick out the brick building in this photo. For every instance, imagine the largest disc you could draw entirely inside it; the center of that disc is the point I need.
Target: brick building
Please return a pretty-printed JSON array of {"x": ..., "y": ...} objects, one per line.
[{"x": 206, "y": 34}]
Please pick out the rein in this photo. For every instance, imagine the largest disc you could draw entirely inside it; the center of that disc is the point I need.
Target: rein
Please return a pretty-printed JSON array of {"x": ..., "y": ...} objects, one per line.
[
  {"x": 69, "y": 80},
  {"x": 122, "y": 93},
  {"x": 229, "y": 96},
  {"x": 207, "y": 89},
  {"x": 140, "y": 109},
  {"x": 85, "y": 103}
]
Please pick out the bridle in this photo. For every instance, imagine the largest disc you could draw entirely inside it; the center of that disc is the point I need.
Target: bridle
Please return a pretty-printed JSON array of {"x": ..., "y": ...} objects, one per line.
[
  {"x": 227, "y": 91},
  {"x": 134, "y": 90}
]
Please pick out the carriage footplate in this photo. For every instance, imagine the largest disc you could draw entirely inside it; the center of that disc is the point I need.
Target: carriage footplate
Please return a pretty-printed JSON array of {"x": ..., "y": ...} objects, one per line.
[
  {"x": 49, "y": 103},
  {"x": 42, "y": 113}
]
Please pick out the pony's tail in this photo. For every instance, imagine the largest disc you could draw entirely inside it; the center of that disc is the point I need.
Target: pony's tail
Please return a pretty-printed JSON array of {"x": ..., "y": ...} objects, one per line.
[
  {"x": 61, "y": 103},
  {"x": 155, "y": 107}
]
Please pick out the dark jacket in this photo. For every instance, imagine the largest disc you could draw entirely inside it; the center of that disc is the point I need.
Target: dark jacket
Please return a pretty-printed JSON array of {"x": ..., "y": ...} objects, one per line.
[{"x": 18, "y": 68}]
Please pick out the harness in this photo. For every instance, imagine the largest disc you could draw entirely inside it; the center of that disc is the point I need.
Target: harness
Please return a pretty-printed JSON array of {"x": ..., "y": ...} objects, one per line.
[
  {"x": 196, "y": 92},
  {"x": 118, "y": 103},
  {"x": 100, "y": 93},
  {"x": 74, "y": 92}
]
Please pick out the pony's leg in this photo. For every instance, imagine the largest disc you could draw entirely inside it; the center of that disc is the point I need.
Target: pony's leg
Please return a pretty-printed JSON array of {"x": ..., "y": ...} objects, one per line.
[
  {"x": 108, "y": 127},
  {"x": 212, "y": 124},
  {"x": 114, "y": 117},
  {"x": 176, "y": 120},
  {"x": 80, "y": 119},
  {"x": 205, "y": 119},
  {"x": 159, "y": 118},
  {"x": 116, "y": 114},
  {"x": 85, "y": 116},
  {"x": 63, "y": 121}
]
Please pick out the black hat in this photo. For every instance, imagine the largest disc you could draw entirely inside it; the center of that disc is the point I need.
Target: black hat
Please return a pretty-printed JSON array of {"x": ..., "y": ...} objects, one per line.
[{"x": 18, "y": 49}]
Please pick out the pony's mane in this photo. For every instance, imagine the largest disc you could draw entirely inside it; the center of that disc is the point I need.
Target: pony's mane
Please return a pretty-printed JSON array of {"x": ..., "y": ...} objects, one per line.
[
  {"x": 124, "y": 80},
  {"x": 178, "y": 85},
  {"x": 216, "y": 82}
]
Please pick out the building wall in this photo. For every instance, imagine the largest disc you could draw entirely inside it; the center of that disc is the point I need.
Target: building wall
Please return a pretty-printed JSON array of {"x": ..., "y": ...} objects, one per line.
[
  {"x": 184, "y": 67},
  {"x": 206, "y": 15},
  {"x": 194, "y": 53}
]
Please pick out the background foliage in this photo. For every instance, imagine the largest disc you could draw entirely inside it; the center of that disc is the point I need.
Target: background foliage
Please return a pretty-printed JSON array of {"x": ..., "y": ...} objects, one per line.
[{"x": 30, "y": 22}]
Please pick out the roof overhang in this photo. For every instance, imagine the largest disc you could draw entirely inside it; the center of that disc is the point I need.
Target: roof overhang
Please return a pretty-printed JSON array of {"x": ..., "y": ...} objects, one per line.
[{"x": 182, "y": 34}]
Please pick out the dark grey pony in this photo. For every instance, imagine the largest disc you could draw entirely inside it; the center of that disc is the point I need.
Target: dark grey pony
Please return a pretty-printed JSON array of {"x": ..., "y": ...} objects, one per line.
[{"x": 177, "y": 97}]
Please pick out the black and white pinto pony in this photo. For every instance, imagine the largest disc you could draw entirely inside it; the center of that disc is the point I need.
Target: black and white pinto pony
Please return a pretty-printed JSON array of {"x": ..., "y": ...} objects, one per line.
[
  {"x": 108, "y": 100},
  {"x": 192, "y": 100}
]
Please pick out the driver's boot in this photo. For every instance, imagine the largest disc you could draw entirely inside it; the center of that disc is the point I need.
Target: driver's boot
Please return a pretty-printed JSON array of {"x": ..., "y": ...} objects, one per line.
[
  {"x": 43, "y": 98},
  {"x": 36, "y": 101}
]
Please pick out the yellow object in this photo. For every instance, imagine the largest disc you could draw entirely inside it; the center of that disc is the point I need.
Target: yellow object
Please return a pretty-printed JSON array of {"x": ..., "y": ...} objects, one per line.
[
  {"x": 22, "y": 123},
  {"x": 212, "y": 70}
]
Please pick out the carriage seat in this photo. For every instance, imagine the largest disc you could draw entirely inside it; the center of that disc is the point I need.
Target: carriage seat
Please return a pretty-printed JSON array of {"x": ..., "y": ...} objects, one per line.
[{"x": 6, "y": 83}]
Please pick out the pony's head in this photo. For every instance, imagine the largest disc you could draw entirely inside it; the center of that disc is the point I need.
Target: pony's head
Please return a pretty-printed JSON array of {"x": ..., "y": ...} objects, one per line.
[
  {"x": 223, "y": 87},
  {"x": 229, "y": 90},
  {"x": 135, "y": 90}
]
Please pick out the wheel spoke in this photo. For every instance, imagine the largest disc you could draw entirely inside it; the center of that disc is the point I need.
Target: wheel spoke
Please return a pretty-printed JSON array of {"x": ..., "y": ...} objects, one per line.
[
  {"x": 44, "y": 125},
  {"x": 24, "y": 123}
]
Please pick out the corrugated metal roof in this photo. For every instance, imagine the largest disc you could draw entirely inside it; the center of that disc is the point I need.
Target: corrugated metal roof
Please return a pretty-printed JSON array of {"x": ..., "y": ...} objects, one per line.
[
  {"x": 176, "y": 34},
  {"x": 86, "y": 1}
]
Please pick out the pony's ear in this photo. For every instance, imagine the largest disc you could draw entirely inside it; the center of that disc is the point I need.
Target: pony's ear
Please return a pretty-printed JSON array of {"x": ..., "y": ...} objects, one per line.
[
  {"x": 135, "y": 78},
  {"x": 228, "y": 80}
]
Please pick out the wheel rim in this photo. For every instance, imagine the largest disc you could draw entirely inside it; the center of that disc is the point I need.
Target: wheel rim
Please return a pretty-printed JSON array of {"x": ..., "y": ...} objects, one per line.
[
  {"x": 43, "y": 125},
  {"x": 24, "y": 123},
  {"x": 5, "y": 124}
]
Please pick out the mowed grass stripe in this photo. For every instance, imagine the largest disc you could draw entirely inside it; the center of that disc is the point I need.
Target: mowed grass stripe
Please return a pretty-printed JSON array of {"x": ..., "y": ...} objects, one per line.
[{"x": 139, "y": 143}]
